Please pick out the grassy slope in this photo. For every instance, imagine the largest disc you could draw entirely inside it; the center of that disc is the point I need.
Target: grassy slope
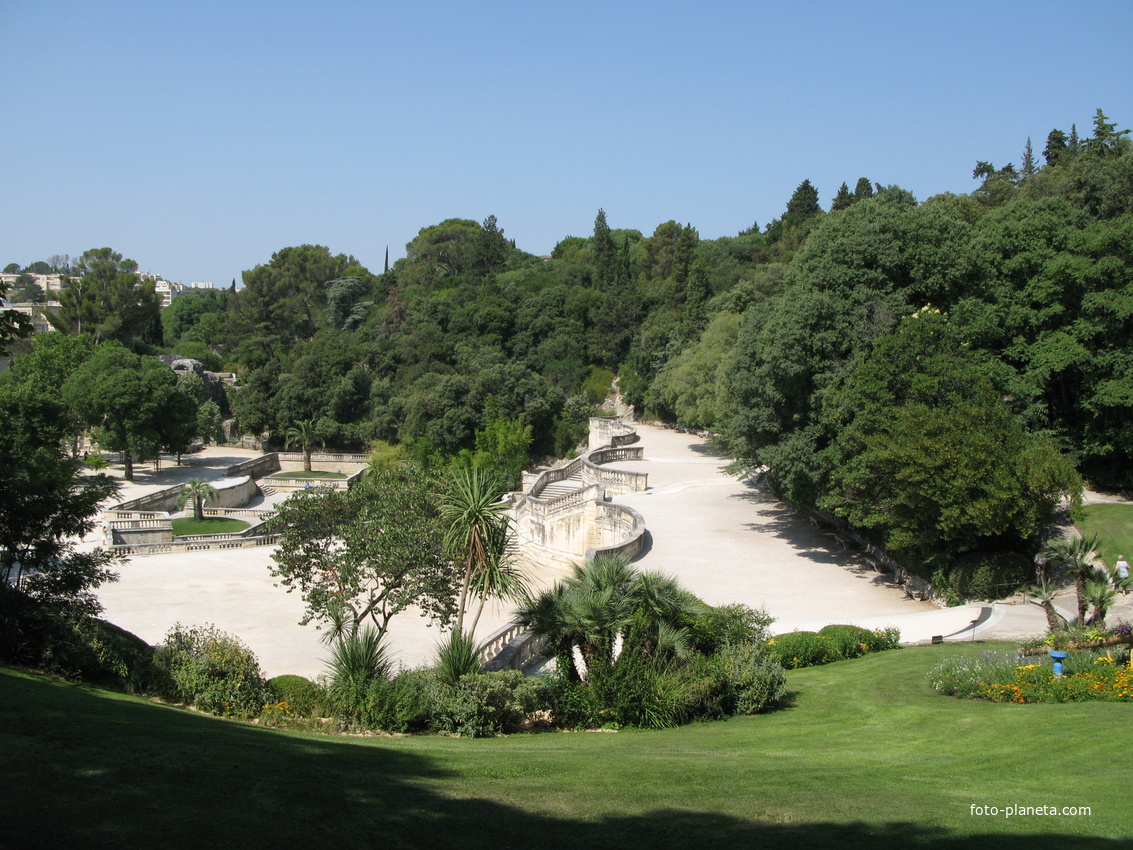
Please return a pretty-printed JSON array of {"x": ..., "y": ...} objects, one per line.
[
  {"x": 1113, "y": 524},
  {"x": 867, "y": 756}
]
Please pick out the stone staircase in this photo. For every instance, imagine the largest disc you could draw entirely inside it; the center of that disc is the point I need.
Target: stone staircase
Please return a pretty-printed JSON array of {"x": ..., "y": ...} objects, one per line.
[
  {"x": 267, "y": 490},
  {"x": 562, "y": 488}
]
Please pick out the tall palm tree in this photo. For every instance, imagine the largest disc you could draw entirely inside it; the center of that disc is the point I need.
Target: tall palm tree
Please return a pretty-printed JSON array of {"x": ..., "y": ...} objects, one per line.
[
  {"x": 303, "y": 433},
  {"x": 475, "y": 527},
  {"x": 198, "y": 491},
  {"x": 1075, "y": 555}
]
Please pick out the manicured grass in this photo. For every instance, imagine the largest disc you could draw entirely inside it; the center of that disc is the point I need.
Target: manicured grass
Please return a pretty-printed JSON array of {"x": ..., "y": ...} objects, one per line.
[
  {"x": 1113, "y": 524},
  {"x": 314, "y": 473},
  {"x": 209, "y": 525},
  {"x": 867, "y": 756}
]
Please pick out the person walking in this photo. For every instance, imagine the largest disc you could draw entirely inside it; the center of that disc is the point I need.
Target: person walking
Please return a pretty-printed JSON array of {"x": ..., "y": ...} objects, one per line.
[{"x": 1122, "y": 582}]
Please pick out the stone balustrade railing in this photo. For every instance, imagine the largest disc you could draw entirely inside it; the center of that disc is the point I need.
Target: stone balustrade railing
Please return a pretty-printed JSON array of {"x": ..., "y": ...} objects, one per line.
[
  {"x": 509, "y": 648},
  {"x": 181, "y": 545}
]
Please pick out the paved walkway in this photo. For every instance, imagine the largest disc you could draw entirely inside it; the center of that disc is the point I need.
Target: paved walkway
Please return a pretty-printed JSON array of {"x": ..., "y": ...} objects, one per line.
[
  {"x": 726, "y": 540},
  {"x": 234, "y": 590},
  {"x": 731, "y": 541}
]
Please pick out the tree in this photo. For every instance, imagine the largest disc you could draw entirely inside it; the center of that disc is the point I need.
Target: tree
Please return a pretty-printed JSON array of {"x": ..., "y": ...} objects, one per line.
[
  {"x": 927, "y": 457},
  {"x": 303, "y": 433},
  {"x": 802, "y": 205},
  {"x": 13, "y": 325},
  {"x": 285, "y": 299},
  {"x": 198, "y": 491},
  {"x": 133, "y": 401},
  {"x": 1056, "y": 147},
  {"x": 109, "y": 300},
  {"x": 1075, "y": 555},
  {"x": 588, "y": 617},
  {"x": 46, "y": 504},
  {"x": 863, "y": 189},
  {"x": 1029, "y": 166},
  {"x": 1106, "y": 139},
  {"x": 367, "y": 553},
  {"x": 842, "y": 200},
  {"x": 476, "y": 528},
  {"x": 605, "y": 252},
  {"x": 489, "y": 251}
]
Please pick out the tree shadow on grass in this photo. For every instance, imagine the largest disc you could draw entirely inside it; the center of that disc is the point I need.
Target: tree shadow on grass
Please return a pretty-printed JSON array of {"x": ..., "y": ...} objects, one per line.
[{"x": 85, "y": 770}]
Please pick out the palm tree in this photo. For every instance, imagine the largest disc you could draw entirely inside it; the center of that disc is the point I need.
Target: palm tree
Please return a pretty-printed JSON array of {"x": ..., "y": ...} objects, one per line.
[
  {"x": 199, "y": 491},
  {"x": 476, "y": 527},
  {"x": 1100, "y": 595},
  {"x": 589, "y": 616},
  {"x": 1044, "y": 592},
  {"x": 1075, "y": 555},
  {"x": 303, "y": 433}
]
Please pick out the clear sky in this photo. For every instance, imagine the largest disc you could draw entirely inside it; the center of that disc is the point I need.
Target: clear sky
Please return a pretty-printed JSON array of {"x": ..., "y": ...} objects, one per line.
[{"x": 200, "y": 137}]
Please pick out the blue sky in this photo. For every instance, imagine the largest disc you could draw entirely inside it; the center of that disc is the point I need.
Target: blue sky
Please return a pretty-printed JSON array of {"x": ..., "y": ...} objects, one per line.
[{"x": 198, "y": 138}]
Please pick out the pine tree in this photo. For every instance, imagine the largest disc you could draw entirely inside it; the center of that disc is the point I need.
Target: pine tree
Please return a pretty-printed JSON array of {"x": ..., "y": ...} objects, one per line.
[
  {"x": 605, "y": 252},
  {"x": 842, "y": 200},
  {"x": 1056, "y": 147},
  {"x": 863, "y": 189},
  {"x": 1029, "y": 166}
]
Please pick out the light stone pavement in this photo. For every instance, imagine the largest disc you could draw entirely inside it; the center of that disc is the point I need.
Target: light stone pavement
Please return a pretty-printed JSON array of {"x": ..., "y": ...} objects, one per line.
[
  {"x": 730, "y": 541},
  {"x": 725, "y": 539},
  {"x": 234, "y": 590}
]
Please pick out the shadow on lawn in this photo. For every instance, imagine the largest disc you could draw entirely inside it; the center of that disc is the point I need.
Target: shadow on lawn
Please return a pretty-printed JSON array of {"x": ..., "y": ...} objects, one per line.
[{"x": 82, "y": 770}]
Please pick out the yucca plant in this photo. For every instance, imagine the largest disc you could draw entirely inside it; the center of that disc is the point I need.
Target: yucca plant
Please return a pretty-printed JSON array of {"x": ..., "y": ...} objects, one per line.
[
  {"x": 456, "y": 657},
  {"x": 357, "y": 660}
]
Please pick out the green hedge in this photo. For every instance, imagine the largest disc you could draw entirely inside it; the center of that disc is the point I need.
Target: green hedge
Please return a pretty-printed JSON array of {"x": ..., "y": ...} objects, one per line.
[{"x": 831, "y": 643}]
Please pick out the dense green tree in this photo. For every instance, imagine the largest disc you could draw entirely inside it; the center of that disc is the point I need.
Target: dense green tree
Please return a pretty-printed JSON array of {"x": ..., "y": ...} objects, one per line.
[
  {"x": 109, "y": 300},
  {"x": 46, "y": 505},
  {"x": 928, "y": 459},
  {"x": 842, "y": 200},
  {"x": 489, "y": 251},
  {"x": 190, "y": 309},
  {"x": 133, "y": 402},
  {"x": 1056, "y": 147},
  {"x": 13, "y": 325},
  {"x": 605, "y": 252},
  {"x": 285, "y": 299},
  {"x": 367, "y": 553}
]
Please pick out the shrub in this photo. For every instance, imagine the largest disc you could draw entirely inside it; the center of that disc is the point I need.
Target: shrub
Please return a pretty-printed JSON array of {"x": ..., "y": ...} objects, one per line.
[
  {"x": 357, "y": 661},
  {"x": 756, "y": 679},
  {"x": 729, "y": 624},
  {"x": 484, "y": 704},
  {"x": 303, "y": 697},
  {"x": 573, "y": 705},
  {"x": 845, "y": 641},
  {"x": 457, "y": 657},
  {"x": 406, "y": 703},
  {"x": 213, "y": 671},
  {"x": 801, "y": 649},
  {"x": 982, "y": 575}
]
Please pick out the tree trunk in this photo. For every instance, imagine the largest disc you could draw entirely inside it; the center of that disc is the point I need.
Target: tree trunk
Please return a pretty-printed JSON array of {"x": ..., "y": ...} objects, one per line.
[
  {"x": 1080, "y": 589},
  {"x": 129, "y": 459},
  {"x": 306, "y": 459}
]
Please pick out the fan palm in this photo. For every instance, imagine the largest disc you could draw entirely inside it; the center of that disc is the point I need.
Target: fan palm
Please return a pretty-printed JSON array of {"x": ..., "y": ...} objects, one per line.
[
  {"x": 1100, "y": 596},
  {"x": 303, "y": 433},
  {"x": 590, "y": 614},
  {"x": 1075, "y": 555},
  {"x": 199, "y": 491}
]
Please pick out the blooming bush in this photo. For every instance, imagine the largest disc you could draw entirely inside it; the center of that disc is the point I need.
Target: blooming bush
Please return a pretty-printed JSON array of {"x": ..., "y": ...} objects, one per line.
[
  {"x": 1108, "y": 681},
  {"x": 212, "y": 671}
]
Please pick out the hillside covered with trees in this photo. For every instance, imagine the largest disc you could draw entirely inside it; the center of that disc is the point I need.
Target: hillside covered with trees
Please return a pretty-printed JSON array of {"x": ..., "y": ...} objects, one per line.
[{"x": 938, "y": 373}]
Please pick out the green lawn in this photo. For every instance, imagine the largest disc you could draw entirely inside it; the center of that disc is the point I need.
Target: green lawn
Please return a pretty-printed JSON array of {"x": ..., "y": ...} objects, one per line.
[
  {"x": 208, "y": 525},
  {"x": 866, "y": 756},
  {"x": 1113, "y": 524},
  {"x": 314, "y": 473}
]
